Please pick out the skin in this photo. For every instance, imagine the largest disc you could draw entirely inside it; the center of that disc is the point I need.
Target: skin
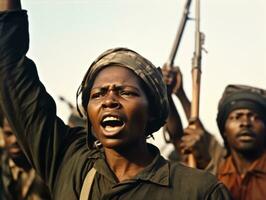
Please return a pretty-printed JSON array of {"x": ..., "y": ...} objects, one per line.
[
  {"x": 173, "y": 80},
  {"x": 117, "y": 92},
  {"x": 192, "y": 139},
  {"x": 245, "y": 134},
  {"x": 10, "y": 139},
  {"x": 13, "y": 149},
  {"x": 10, "y": 5}
]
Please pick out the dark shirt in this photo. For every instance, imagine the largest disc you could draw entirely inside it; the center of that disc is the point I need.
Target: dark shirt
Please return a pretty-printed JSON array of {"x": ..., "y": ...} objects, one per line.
[
  {"x": 60, "y": 154},
  {"x": 251, "y": 186}
]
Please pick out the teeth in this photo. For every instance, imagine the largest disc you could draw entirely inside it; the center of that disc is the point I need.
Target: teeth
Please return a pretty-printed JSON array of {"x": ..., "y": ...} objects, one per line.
[
  {"x": 110, "y": 118},
  {"x": 111, "y": 129},
  {"x": 112, "y": 123}
]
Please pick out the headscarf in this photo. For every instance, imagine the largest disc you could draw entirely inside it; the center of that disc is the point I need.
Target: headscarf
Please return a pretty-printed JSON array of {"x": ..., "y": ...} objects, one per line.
[{"x": 144, "y": 69}]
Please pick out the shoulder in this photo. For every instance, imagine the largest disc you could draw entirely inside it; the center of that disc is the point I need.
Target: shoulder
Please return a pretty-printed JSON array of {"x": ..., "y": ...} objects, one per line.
[
  {"x": 198, "y": 183},
  {"x": 78, "y": 159},
  {"x": 187, "y": 174}
]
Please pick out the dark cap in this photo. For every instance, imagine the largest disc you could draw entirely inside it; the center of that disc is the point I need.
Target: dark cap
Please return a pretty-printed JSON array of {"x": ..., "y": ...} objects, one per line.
[{"x": 241, "y": 96}]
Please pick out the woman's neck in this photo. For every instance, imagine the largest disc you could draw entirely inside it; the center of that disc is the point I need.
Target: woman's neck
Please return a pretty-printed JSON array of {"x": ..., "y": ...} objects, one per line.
[{"x": 126, "y": 163}]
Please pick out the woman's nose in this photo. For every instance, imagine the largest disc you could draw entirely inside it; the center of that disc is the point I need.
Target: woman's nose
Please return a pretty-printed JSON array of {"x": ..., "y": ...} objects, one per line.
[{"x": 111, "y": 100}]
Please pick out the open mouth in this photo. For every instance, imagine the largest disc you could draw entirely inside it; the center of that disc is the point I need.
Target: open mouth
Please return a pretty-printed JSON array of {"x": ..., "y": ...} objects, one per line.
[
  {"x": 112, "y": 123},
  {"x": 247, "y": 136}
]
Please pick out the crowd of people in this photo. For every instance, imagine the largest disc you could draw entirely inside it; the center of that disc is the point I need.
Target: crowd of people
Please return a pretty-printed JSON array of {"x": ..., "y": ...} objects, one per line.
[
  {"x": 107, "y": 156},
  {"x": 241, "y": 118}
]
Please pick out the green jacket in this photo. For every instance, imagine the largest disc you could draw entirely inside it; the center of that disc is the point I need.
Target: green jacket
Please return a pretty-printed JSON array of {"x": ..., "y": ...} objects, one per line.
[{"x": 60, "y": 154}]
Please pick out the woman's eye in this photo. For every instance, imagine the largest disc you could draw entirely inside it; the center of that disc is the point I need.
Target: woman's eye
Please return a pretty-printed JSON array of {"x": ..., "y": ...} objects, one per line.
[
  {"x": 127, "y": 93},
  {"x": 96, "y": 95}
]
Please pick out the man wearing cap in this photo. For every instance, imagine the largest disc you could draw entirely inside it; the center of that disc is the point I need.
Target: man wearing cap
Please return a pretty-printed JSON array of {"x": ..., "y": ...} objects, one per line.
[
  {"x": 241, "y": 119},
  {"x": 242, "y": 123}
]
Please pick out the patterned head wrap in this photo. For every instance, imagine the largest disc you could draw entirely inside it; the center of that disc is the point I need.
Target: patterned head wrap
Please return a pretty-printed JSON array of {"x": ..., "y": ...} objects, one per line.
[{"x": 144, "y": 69}]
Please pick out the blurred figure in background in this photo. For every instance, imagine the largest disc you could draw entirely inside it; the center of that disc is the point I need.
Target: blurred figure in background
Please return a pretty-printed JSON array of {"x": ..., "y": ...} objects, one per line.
[
  {"x": 18, "y": 179},
  {"x": 74, "y": 118}
]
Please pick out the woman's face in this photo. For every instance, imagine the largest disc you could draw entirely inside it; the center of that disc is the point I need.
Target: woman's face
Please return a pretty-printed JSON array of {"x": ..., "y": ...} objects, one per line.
[{"x": 118, "y": 108}]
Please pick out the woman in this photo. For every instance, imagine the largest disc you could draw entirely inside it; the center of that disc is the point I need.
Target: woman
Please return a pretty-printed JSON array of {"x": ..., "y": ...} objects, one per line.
[{"x": 125, "y": 101}]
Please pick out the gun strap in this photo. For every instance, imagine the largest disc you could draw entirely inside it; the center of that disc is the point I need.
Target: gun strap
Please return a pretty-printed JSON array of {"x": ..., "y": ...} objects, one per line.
[{"x": 87, "y": 184}]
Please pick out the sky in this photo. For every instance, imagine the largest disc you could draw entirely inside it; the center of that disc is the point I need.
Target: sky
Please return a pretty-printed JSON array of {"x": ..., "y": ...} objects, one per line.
[{"x": 67, "y": 35}]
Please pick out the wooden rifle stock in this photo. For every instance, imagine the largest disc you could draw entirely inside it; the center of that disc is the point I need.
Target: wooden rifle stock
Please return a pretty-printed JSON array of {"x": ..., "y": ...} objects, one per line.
[{"x": 196, "y": 76}]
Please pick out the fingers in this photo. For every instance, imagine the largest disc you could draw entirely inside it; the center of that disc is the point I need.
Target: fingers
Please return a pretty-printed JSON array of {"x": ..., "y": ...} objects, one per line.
[
  {"x": 196, "y": 125},
  {"x": 169, "y": 74},
  {"x": 192, "y": 137},
  {"x": 189, "y": 141}
]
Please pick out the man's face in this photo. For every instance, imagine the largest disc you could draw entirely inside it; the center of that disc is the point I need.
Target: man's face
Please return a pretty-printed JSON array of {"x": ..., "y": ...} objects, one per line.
[
  {"x": 245, "y": 131},
  {"x": 11, "y": 144},
  {"x": 118, "y": 108}
]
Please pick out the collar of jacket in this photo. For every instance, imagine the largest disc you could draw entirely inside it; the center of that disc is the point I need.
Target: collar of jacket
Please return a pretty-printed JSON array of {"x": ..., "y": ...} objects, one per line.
[
  {"x": 158, "y": 171},
  {"x": 258, "y": 166}
]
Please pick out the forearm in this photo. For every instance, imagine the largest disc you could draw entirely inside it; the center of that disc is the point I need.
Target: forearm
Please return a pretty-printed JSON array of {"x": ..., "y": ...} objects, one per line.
[
  {"x": 185, "y": 103},
  {"x": 10, "y": 5},
  {"x": 173, "y": 123}
]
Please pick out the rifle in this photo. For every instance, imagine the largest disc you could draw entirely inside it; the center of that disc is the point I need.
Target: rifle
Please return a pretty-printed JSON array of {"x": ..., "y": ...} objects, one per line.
[
  {"x": 179, "y": 34},
  {"x": 196, "y": 65},
  {"x": 180, "y": 31},
  {"x": 196, "y": 75}
]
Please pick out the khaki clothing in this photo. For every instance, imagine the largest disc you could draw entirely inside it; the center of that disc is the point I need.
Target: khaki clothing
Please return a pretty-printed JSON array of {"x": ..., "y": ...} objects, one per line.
[
  {"x": 61, "y": 154},
  {"x": 250, "y": 186}
]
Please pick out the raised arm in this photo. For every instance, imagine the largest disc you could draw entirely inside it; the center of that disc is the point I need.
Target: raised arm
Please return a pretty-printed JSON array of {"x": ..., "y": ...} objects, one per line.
[
  {"x": 193, "y": 138},
  {"x": 31, "y": 111},
  {"x": 173, "y": 124}
]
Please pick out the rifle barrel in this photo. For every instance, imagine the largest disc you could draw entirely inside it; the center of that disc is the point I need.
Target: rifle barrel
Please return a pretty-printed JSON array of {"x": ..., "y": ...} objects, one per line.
[{"x": 179, "y": 34}]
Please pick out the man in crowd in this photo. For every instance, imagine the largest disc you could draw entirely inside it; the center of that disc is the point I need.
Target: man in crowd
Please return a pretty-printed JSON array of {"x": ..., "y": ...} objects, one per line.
[
  {"x": 18, "y": 179},
  {"x": 242, "y": 123},
  {"x": 241, "y": 119}
]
